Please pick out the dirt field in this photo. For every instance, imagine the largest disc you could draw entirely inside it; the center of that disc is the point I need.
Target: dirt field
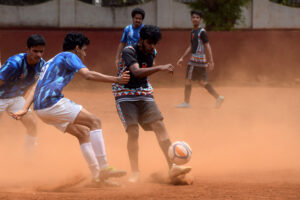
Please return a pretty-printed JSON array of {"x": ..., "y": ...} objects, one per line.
[{"x": 248, "y": 149}]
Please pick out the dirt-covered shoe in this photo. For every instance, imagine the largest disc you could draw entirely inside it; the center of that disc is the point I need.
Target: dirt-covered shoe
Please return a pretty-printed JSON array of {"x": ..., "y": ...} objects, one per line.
[
  {"x": 134, "y": 177},
  {"x": 219, "y": 101},
  {"x": 96, "y": 182},
  {"x": 183, "y": 105},
  {"x": 177, "y": 170},
  {"x": 110, "y": 172}
]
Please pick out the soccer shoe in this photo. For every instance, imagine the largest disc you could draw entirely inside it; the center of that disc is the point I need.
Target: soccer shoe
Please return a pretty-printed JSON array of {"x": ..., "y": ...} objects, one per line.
[
  {"x": 134, "y": 177},
  {"x": 182, "y": 179},
  {"x": 183, "y": 105},
  {"x": 177, "y": 170},
  {"x": 110, "y": 172},
  {"x": 219, "y": 101},
  {"x": 96, "y": 182}
]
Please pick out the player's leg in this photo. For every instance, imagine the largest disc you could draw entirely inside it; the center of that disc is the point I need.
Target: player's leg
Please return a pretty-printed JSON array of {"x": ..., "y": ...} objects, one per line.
[
  {"x": 204, "y": 82},
  {"x": 187, "y": 88},
  {"x": 29, "y": 122},
  {"x": 128, "y": 113},
  {"x": 133, "y": 151},
  {"x": 82, "y": 134},
  {"x": 91, "y": 121},
  {"x": 164, "y": 143}
]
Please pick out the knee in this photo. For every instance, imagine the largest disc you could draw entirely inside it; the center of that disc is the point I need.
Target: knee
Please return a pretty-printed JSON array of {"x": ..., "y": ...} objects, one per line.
[
  {"x": 133, "y": 132},
  {"x": 95, "y": 122},
  {"x": 204, "y": 83},
  {"x": 83, "y": 135},
  {"x": 157, "y": 125}
]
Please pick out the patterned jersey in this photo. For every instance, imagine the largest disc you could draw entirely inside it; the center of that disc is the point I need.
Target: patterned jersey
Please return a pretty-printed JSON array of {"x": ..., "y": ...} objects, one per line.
[
  {"x": 18, "y": 76},
  {"x": 137, "y": 88},
  {"x": 56, "y": 74},
  {"x": 131, "y": 35},
  {"x": 198, "y": 39}
]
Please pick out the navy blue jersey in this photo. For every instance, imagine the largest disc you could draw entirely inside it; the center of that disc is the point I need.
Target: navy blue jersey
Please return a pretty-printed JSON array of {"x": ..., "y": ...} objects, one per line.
[
  {"x": 56, "y": 74},
  {"x": 18, "y": 76}
]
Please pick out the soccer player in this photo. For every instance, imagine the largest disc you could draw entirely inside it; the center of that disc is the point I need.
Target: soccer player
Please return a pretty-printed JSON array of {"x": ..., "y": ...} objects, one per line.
[
  {"x": 197, "y": 66},
  {"x": 131, "y": 33},
  {"x": 135, "y": 103},
  {"x": 17, "y": 75},
  {"x": 52, "y": 108}
]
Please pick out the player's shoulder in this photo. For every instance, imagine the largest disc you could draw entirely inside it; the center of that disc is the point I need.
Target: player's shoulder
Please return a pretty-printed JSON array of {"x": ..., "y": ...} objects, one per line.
[
  {"x": 17, "y": 60},
  {"x": 129, "y": 49},
  {"x": 128, "y": 27}
]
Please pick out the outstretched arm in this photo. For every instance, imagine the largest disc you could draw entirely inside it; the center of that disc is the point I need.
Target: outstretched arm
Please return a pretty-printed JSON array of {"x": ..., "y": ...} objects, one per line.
[
  {"x": 144, "y": 72},
  {"x": 119, "y": 50},
  {"x": 96, "y": 76},
  {"x": 187, "y": 51},
  {"x": 210, "y": 56},
  {"x": 18, "y": 115}
]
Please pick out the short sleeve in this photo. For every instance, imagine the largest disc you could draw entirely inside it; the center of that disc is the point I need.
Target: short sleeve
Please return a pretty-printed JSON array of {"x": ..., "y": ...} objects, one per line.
[
  {"x": 124, "y": 36},
  {"x": 73, "y": 62},
  {"x": 129, "y": 56},
  {"x": 8, "y": 69},
  {"x": 203, "y": 37}
]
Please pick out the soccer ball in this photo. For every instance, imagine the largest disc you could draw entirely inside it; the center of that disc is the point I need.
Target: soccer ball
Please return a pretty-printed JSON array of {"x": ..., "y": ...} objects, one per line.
[{"x": 180, "y": 152}]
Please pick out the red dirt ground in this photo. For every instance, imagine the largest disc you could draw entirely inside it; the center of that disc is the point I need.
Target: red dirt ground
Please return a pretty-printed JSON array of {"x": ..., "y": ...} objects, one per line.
[{"x": 248, "y": 149}]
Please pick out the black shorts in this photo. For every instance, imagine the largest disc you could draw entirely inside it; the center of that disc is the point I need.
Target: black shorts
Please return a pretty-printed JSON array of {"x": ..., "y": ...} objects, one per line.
[
  {"x": 196, "y": 73},
  {"x": 138, "y": 112}
]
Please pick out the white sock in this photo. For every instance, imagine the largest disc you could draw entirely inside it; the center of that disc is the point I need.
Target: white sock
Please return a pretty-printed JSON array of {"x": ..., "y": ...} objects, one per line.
[
  {"x": 30, "y": 144},
  {"x": 99, "y": 147},
  {"x": 89, "y": 155}
]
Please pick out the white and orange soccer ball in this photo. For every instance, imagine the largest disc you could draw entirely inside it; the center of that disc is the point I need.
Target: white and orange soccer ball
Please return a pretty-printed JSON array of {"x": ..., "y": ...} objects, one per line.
[{"x": 180, "y": 152}]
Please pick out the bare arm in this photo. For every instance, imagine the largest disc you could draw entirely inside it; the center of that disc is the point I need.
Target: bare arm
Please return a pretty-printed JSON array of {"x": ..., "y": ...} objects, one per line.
[
  {"x": 210, "y": 56},
  {"x": 29, "y": 100},
  {"x": 187, "y": 51},
  {"x": 119, "y": 50},
  {"x": 144, "y": 72},
  {"x": 96, "y": 76}
]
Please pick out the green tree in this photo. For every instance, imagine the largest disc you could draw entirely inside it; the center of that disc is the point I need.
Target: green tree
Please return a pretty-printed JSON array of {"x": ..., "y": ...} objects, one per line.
[{"x": 220, "y": 14}]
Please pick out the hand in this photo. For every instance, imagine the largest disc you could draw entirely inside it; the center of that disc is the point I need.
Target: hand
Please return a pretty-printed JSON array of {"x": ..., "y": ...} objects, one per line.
[
  {"x": 211, "y": 65},
  {"x": 179, "y": 62},
  {"x": 124, "y": 78},
  {"x": 167, "y": 67},
  {"x": 18, "y": 115}
]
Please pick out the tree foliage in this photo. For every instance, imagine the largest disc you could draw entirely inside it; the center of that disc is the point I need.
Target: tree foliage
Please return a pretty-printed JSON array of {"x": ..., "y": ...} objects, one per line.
[
  {"x": 220, "y": 14},
  {"x": 291, "y": 3}
]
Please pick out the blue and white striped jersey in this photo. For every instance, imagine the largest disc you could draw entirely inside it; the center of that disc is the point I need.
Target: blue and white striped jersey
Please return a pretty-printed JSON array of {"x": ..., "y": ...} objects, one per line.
[
  {"x": 56, "y": 74},
  {"x": 18, "y": 76}
]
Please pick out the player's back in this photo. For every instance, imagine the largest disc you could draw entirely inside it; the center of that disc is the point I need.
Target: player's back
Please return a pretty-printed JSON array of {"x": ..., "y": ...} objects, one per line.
[{"x": 57, "y": 73}]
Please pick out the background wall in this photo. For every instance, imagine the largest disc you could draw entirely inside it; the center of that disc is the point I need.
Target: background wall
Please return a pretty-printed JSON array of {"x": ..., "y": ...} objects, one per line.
[
  {"x": 164, "y": 13},
  {"x": 241, "y": 57}
]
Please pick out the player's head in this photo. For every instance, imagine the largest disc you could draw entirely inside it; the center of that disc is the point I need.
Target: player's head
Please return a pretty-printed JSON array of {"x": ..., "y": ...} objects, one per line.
[
  {"x": 149, "y": 36},
  {"x": 138, "y": 16},
  {"x": 77, "y": 43},
  {"x": 35, "y": 48},
  {"x": 196, "y": 17}
]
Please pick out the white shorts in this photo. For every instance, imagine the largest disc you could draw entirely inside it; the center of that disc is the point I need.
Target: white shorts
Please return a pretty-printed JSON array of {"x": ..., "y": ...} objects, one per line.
[
  {"x": 61, "y": 114},
  {"x": 14, "y": 104}
]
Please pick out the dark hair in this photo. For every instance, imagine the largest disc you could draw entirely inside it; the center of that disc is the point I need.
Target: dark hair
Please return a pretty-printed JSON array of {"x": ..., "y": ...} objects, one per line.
[
  {"x": 138, "y": 11},
  {"x": 197, "y": 12},
  {"x": 150, "y": 32},
  {"x": 35, "y": 40},
  {"x": 73, "y": 39}
]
